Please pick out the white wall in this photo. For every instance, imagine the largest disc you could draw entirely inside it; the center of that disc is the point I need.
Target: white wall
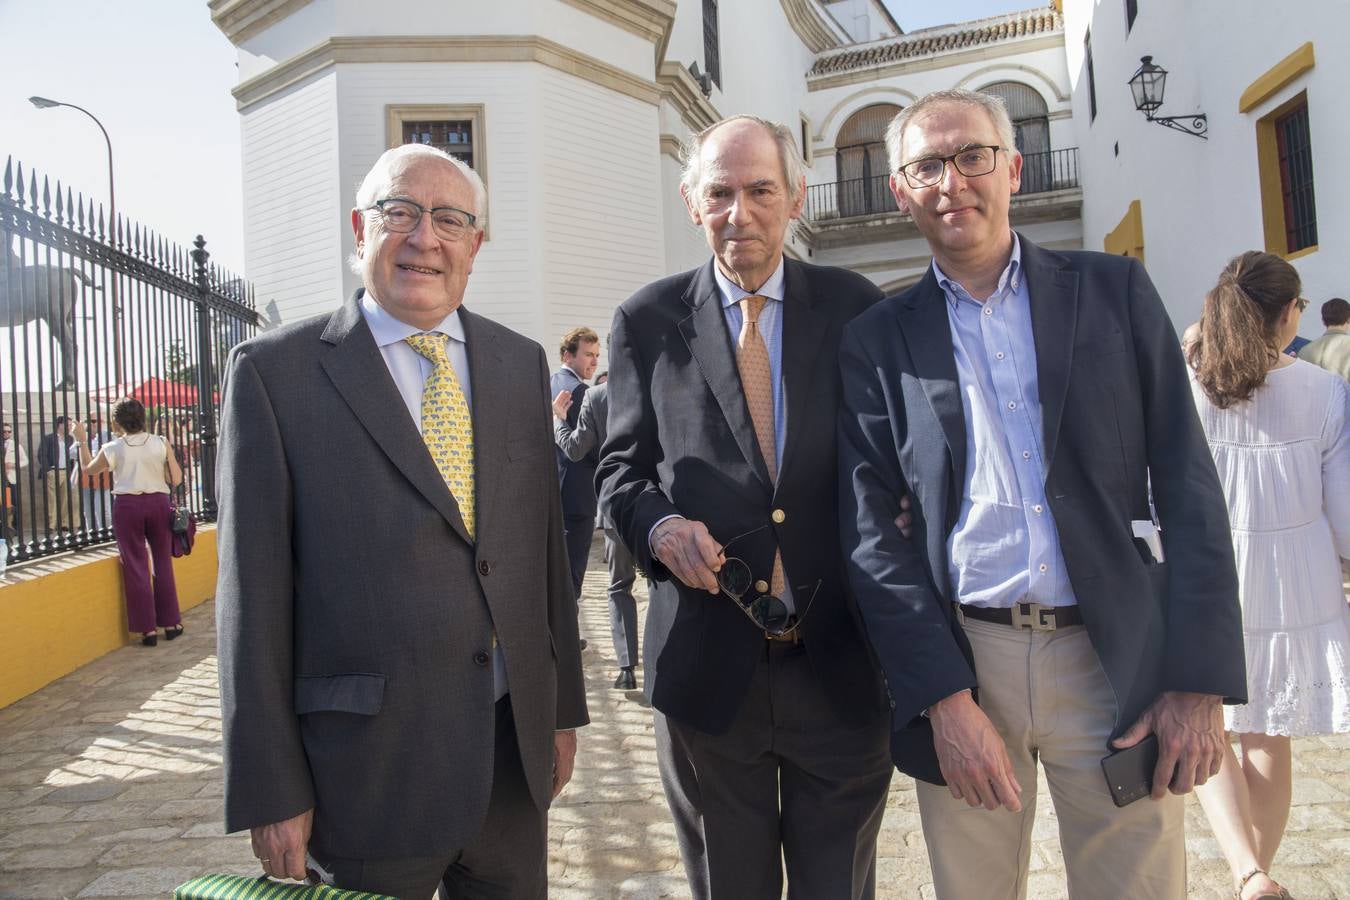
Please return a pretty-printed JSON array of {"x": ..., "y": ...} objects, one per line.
[
  {"x": 293, "y": 211},
  {"x": 1201, "y": 199}
]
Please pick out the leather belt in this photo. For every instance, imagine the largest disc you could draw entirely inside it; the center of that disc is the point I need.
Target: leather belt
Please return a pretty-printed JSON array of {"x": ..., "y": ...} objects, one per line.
[{"x": 1023, "y": 615}]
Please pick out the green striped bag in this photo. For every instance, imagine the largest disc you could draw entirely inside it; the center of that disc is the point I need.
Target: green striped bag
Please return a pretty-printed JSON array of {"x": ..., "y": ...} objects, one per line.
[{"x": 246, "y": 887}]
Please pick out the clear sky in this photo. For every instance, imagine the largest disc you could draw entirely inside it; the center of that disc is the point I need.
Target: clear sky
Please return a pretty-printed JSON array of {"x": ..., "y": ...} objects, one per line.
[{"x": 158, "y": 74}]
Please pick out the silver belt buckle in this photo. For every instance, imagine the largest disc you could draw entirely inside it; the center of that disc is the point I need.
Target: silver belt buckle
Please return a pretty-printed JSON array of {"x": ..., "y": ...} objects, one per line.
[{"x": 1033, "y": 616}]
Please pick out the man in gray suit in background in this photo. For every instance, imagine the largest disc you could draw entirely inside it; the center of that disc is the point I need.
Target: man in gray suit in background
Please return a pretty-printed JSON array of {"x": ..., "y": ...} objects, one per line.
[
  {"x": 576, "y": 441},
  {"x": 399, "y": 667}
]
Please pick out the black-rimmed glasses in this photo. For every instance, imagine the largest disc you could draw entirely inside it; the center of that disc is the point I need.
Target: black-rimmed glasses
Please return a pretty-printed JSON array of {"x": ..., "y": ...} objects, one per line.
[
  {"x": 763, "y": 608},
  {"x": 403, "y": 217},
  {"x": 971, "y": 162},
  {"x": 1302, "y": 303}
]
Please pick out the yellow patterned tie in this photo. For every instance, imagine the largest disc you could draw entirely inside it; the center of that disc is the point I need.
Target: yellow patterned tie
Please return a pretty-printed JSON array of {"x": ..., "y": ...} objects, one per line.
[
  {"x": 447, "y": 427},
  {"x": 752, "y": 361}
]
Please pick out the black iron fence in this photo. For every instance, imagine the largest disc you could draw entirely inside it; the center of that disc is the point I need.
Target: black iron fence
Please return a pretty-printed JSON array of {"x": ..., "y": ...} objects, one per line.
[
  {"x": 1053, "y": 170},
  {"x": 93, "y": 310}
]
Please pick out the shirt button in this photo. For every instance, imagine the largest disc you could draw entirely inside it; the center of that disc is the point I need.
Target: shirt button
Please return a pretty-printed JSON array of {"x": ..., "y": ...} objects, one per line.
[
  {"x": 998, "y": 355},
  {"x": 1012, "y": 405},
  {"x": 1026, "y": 454},
  {"x": 1043, "y": 567},
  {"x": 778, "y": 516},
  {"x": 484, "y": 567},
  {"x": 761, "y": 587},
  {"x": 1037, "y": 507},
  {"x": 988, "y": 311},
  {"x": 481, "y": 658}
]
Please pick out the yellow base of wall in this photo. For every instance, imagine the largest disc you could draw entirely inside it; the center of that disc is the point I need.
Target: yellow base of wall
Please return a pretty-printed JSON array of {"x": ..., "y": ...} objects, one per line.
[{"x": 57, "y": 615}]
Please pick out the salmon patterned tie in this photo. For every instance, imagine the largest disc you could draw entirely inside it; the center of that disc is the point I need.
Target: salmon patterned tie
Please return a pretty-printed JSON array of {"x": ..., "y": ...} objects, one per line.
[
  {"x": 752, "y": 359},
  {"x": 447, "y": 427}
]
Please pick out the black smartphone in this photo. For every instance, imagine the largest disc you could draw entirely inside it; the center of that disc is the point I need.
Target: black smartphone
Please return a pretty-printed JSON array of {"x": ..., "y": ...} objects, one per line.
[{"x": 1129, "y": 772}]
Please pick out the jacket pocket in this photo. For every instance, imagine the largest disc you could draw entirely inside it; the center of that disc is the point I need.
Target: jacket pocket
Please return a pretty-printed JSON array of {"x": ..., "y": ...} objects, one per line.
[{"x": 357, "y": 692}]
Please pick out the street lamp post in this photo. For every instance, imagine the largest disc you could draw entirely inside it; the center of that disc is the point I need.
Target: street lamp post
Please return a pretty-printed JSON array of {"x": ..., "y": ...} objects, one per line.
[{"x": 44, "y": 103}]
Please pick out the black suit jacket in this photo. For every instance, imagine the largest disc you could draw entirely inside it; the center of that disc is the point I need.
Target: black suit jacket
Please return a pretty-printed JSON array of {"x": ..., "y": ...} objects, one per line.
[
  {"x": 576, "y": 477},
  {"x": 1117, "y": 411},
  {"x": 680, "y": 441},
  {"x": 48, "y": 453}
]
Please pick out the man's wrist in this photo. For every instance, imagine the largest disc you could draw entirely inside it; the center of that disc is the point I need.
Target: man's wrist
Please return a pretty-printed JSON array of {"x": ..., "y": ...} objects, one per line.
[{"x": 950, "y": 698}]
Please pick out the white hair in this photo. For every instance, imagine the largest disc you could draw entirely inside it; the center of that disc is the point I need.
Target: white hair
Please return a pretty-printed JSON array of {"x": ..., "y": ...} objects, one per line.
[
  {"x": 794, "y": 170},
  {"x": 378, "y": 178},
  {"x": 998, "y": 112}
]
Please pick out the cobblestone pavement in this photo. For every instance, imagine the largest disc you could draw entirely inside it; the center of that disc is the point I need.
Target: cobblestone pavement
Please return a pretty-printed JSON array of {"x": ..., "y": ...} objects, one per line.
[{"x": 110, "y": 787}]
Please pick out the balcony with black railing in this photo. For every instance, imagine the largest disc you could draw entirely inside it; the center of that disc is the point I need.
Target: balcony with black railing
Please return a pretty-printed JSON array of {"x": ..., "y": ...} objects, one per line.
[{"x": 1042, "y": 173}]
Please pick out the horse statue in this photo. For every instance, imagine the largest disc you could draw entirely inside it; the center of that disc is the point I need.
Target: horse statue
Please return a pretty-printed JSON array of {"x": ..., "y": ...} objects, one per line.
[{"x": 42, "y": 292}]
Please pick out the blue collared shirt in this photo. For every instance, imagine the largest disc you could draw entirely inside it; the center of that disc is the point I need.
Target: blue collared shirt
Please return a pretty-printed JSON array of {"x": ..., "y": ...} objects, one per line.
[
  {"x": 770, "y": 324},
  {"x": 1005, "y": 548}
]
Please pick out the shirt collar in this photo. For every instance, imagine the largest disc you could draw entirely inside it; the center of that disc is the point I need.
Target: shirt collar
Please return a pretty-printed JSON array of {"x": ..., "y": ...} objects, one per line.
[
  {"x": 732, "y": 292},
  {"x": 1010, "y": 278},
  {"x": 387, "y": 330}
]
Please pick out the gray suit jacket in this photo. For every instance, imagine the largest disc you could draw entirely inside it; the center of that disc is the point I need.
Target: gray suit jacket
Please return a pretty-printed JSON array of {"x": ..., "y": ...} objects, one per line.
[
  {"x": 356, "y": 617},
  {"x": 589, "y": 434}
]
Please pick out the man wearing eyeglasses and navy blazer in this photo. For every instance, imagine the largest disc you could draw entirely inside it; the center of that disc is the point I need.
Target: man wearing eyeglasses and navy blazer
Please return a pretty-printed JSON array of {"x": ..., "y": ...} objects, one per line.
[{"x": 718, "y": 473}]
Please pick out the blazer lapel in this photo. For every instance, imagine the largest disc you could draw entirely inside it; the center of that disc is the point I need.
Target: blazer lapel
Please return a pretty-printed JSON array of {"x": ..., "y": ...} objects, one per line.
[
  {"x": 358, "y": 371},
  {"x": 1054, "y": 322},
  {"x": 804, "y": 324},
  {"x": 928, "y": 336},
  {"x": 705, "y": 331},
  {"x": 490, "y": 402}
]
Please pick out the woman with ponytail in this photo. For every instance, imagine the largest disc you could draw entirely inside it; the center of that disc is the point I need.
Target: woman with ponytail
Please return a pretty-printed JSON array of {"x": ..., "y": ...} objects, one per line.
[{"x": 1278, "y": 429}]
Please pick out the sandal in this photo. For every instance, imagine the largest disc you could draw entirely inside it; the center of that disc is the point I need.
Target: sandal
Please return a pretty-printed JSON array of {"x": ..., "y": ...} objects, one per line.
[
  {"x": 175, "y": 631},
  {"x": 1278, "y": 893},
  {"x": 150, "y": 638}
]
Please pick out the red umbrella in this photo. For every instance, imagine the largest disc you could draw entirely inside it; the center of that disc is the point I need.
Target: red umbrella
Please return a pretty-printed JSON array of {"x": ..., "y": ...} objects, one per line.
[{"x": 160, "y": 392}]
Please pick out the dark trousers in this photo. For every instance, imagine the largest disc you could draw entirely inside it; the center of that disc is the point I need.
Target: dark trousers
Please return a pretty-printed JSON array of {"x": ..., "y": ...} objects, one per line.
[
  {"x": 578, "y": 532},
  {"x": 622, "y": 607},
  {"x": 788, "y": 786},
  {"x": 508, "y": 860},
  {"x": 139, "y": 519}
]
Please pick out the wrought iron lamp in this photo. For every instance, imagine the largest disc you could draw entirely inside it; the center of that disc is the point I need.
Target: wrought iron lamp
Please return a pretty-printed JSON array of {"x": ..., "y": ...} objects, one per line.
[
  {"x": 44, "y": 103},
  {"x": 1148, "y": 85}
]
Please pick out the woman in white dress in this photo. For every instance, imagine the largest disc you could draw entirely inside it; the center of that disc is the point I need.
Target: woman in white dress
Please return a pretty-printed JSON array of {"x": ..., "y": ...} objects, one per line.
[{"x": 1278, "y": 429}]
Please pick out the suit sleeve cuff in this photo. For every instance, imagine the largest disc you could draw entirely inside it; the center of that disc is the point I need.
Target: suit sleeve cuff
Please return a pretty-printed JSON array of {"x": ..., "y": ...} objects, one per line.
[{"x": 652, "y": 531}]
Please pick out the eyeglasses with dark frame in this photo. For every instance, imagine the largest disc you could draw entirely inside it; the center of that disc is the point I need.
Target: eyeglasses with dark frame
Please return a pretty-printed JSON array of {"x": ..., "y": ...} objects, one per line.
[
  {"x": 971, "y": 162},
  {"x": 403, "y": 216},
  {"x": 1302, "y": 303},
  {"x": 765, "y": 610}
]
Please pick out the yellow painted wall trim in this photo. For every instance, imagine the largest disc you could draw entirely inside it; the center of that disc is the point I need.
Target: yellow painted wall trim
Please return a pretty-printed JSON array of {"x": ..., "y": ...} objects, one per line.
[
  {"x": 1127, "y": 238},
  {"x": 1273, "y": 224},
  {"x": 1279, "y": 75},
  {"x": 1299, "y": 254},
  {"x": 56, "y": 617}
]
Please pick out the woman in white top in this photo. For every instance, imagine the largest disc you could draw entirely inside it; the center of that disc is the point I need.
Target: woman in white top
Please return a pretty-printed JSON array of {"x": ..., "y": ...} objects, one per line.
[
  {"x": 144, "y": 471},
  {"x": 1279, "y": 430}
]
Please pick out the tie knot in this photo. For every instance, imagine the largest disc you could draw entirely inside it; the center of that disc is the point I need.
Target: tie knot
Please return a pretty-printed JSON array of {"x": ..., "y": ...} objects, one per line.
[
  {"x": 753, "y": 306},
  {"x": 432, "y": 346}
]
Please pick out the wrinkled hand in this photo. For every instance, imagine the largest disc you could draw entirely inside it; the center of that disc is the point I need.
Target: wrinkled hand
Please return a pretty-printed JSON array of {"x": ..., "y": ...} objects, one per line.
[
  {"x": 564, "y": 758},
  {"x": 561, "y": 404},
  {"x": 280, "y": 847},
  {"x": 77, "y": 431},
  {"x": 905, "y": 521},
  {"x": 1190, "y": 739},
  {"x": 687, "y": 549},
  {"x": 972, "y": 755}
]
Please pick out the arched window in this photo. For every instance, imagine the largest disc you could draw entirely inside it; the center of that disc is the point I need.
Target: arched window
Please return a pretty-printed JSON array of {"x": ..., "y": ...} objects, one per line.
[
  {"x": 860, "y": 155},
  {"x": 1031, "y": 127}
]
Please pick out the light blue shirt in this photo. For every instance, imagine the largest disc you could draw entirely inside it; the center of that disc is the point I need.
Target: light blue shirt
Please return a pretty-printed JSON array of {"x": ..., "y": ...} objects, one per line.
[
  {"x": 409, "y": 370},
  {"x": 770, "y": 325},
  {"x": 1005, "y": 548}
]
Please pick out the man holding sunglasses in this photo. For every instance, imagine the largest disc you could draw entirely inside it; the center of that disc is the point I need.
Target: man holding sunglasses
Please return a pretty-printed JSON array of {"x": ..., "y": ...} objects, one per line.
[
  {"x": 1027, "y": 399},
  {"x": 719, "y": 474}
]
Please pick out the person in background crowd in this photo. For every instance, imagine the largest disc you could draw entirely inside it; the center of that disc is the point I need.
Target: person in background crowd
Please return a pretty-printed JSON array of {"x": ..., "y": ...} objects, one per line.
[
  {"x": 95, "y": 490},
  {"x": 577, "y": 441},
  {"x": 580, "y": 353},
  {"x": 1332, "y": 350},
  {"x": 15, "y": 460},
  {"x": 144, "y": 473},
  {"x": 56, "y": 461},
  {"x": 1279, "y": 431},
  {"x": 1026, "y": 397}
]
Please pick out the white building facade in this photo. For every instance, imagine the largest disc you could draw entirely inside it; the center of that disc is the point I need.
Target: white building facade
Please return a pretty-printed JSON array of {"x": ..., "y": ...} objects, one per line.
[
  {"x": 1269, "y": 175},
  {"x": 574, "y": 112}
]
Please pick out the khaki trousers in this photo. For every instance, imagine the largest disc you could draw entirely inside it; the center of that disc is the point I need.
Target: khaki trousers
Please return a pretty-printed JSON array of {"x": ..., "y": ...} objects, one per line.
[
  {"x": 57, "y": 483},
  {"x": 1046, "y": 694}
]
